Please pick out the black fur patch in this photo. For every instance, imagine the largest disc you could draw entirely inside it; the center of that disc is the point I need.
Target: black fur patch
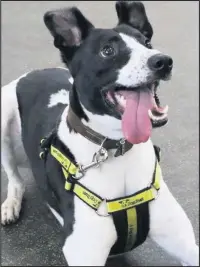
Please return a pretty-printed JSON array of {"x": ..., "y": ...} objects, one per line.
[{"x": 33, "y": 93}]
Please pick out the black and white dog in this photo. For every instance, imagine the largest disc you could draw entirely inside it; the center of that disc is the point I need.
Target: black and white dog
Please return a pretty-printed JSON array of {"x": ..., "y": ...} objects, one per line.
[{"x": 110, "y": 86}]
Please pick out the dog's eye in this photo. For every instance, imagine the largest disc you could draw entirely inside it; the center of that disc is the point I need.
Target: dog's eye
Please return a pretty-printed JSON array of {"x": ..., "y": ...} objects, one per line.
[
  {"x": 148, "y": 44},
  {"x": 107, "y": 51}
]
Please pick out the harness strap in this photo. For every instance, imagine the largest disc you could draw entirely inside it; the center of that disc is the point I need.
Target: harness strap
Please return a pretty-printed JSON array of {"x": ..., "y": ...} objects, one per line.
[
  {"x": 132, "y": 226},
  {"x": 63, "y": 160},
  {"x": 93, "y": 200},
  {"x": 130, "y": 214}
]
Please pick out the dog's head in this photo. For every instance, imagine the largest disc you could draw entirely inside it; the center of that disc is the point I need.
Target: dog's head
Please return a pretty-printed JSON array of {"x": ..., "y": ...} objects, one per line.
[{"x": 116, "y": 71}]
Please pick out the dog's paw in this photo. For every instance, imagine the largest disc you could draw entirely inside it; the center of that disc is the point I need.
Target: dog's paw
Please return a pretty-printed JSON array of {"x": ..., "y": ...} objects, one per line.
[{"x": 10, "y": 210}]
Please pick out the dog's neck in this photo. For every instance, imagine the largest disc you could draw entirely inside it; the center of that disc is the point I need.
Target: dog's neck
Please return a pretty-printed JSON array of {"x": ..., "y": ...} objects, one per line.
[
  {"x": 77, "y": 143},
  {"x": 105, "y": 125}
]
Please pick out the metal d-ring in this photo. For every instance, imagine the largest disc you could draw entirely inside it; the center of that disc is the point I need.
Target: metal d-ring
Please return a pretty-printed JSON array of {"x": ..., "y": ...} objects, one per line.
[
  {"x": 102, "y": 215},
  {"x": 102, "y": 154}
]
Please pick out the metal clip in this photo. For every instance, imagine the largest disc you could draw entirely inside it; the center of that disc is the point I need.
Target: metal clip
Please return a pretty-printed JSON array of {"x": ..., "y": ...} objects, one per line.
[
  {"x": 100, "y": 156},
  {"x": 82, "y": 169}
]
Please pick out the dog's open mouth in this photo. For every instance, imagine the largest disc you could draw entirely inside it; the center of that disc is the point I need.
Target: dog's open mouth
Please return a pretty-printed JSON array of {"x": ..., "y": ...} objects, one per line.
[{"x": 140, "y": 110}]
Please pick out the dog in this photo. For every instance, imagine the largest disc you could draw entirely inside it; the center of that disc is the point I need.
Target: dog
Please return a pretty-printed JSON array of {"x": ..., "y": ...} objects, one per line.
[{"x": 96, "y": 117}]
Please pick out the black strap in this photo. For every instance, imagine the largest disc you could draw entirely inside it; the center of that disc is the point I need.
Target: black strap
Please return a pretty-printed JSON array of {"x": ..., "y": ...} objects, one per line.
[
  {"x": 157, "y": 152},
  {"x": 143, "y": 222},
  {"x": 121, "y": 222}
]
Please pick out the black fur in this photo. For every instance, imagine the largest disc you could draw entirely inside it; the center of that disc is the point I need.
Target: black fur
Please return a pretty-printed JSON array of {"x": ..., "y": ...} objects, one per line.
[
  {"x": 33, "y": 93},
  {"x": 133, "y": 13},
  {"x": 80, "y": 45}
]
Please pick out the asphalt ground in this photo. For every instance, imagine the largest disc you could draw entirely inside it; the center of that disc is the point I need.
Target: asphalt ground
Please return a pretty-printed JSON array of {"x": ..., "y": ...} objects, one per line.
[{"x": 26, "y": 45}]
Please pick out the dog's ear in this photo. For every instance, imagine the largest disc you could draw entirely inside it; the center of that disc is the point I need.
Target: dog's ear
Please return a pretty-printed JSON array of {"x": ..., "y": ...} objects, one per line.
[
  {"x": 133, "y": 13},
  {"x": 69, "y": 28}
]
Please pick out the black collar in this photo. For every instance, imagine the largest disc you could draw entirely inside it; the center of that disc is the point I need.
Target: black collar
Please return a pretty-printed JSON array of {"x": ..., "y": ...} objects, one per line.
[{"x": 121, "y": 146}]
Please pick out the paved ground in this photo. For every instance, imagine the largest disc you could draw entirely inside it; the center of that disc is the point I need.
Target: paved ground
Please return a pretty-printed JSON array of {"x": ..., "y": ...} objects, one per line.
[{"x": 26, "y": 44}]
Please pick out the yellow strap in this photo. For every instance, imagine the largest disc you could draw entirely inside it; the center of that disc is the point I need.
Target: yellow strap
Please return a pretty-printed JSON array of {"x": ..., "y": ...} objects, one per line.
[
  {"x": 129, "y": 202},
  {"x": 119, "y": 204},
  {"x": 68, "y": 185},
  {"x": 88, "y": 197},
  {"x": 157, "y": 177},
  {"x": 147, "y": 195},
  {"x": 64, "y": 161},
  {"x": 94, "y": 201},
  {"x": 66, "y": 174},
  {"x": 132, "y": 228}
]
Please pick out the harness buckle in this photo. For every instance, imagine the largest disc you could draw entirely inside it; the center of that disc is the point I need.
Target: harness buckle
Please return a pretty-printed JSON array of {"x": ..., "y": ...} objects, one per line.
[
  {"x": 82, "y": 169},
  {"x": 100, "y": 156},
  {"x": 106, "y": 214}
]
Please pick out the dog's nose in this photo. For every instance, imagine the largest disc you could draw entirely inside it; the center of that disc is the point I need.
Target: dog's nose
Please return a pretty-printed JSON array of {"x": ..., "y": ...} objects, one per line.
[{"x": 160, "y": 64}]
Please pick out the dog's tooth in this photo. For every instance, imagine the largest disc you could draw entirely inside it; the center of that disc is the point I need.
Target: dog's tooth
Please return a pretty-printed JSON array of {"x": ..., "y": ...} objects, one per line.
[
  {"x": 120, "y": 99},
  {"x": 123, "y": 101},
  {"x": 150, "y": 114},
  {"x": 165, "y": 110},
  {"x": 156, "y": 118},
  {"x": 117, "y": 97},
  {"x": 161, "y": 110}
]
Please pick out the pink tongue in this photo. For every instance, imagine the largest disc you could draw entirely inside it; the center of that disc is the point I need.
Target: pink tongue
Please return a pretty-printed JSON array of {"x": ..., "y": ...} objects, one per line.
[{"x": 136, "y": 124}]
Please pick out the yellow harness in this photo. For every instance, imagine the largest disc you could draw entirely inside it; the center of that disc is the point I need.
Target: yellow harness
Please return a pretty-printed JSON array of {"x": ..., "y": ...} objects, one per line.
[{"x": 130, "y": 212}]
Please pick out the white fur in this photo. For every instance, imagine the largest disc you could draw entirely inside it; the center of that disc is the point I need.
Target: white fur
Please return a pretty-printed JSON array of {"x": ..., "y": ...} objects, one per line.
[
  {"x": 136, "y": 71},
  {"x": 10, "y": 145},
  {"x": 102, "y": 124},
  {"x": 62, "y": 96},
  {"x": 71, "y": 80},
  {"x": 55, "y": 213},
  {"x": 93, "y": 235},
  {"x": 62, "y": 68}
]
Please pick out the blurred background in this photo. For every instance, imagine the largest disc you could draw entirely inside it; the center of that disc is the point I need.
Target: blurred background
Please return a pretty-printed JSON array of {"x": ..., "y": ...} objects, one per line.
[{"x": 27, "y": 45}]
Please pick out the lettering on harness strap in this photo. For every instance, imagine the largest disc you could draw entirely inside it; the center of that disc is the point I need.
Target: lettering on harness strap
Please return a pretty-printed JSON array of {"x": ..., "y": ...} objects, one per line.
[
  {"x": 127, "y": 202},
  {"x": 87, "y": 196},
  {"x": 132, "y": 228},
  {"x": 91, "y": 197},
  {"x": 64, "y": 161}
]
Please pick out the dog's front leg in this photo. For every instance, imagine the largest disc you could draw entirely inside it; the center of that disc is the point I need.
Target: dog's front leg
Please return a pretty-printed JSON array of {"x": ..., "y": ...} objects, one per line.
[
  {"x": 92, "y": 238},
  {"x": 171, "y": 228}
]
